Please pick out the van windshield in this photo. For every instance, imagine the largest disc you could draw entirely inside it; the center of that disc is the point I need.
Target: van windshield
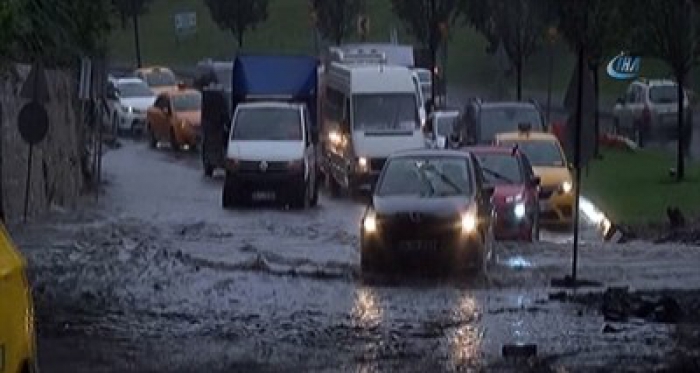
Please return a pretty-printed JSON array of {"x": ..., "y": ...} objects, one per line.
[
  {"x": 267, "y": 124},
  {"x": 385, "y": 112}
]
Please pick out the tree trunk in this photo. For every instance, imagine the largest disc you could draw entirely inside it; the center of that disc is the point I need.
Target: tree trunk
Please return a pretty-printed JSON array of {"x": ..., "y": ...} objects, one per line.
[
  {"x": 595, "y": 67},
  {"x": 519, "y": 80},
  {"x": 680, "y": 168}
]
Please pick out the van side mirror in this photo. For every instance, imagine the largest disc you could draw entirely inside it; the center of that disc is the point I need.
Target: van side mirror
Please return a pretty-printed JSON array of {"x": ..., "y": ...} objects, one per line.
[{"x": 488, "y": 191}]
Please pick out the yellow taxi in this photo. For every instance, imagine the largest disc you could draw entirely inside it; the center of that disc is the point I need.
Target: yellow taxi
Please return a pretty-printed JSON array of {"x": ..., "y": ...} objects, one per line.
[
  {"x": 17, "y": 339},
  {"x": 159, "y": 78},
  {"x": 545, "y": 153},
  {"x": 176, "y": 117}
]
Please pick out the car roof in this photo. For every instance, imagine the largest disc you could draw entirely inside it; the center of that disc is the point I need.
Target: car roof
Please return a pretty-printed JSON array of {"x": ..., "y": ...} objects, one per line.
[
  {"x": 128, "y": 80},
  {"x": 271, "y": 104},
  {"x": 507, "y": 104},
  {"x": 429, "y": 153},
  {"x": 527, "y": 136},
  {"x": 483, "y": 149}
]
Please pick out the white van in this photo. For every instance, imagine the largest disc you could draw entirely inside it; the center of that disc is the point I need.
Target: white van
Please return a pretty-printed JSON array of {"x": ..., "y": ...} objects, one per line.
[
  {"x": 271, "y": 155},
  {"x": 369, "y": 111}
]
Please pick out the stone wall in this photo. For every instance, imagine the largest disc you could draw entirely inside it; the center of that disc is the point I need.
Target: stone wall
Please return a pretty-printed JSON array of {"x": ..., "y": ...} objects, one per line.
[{"x": 56, "y": 176}]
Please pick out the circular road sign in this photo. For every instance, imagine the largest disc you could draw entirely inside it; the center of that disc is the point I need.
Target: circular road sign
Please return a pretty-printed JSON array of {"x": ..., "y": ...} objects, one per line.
[{"x": 33, "y": 122}]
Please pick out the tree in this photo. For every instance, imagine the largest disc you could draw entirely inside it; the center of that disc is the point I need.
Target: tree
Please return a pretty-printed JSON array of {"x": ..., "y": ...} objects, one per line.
[
  {"x": 670, "y": 33},
  {"x": 129, "y": 8},
  {"x": 336, "y": 18},
  {"x": 593, "y": 25},
  {"x": 238, "y": 16},
  {"x": 517, "y": 25}
]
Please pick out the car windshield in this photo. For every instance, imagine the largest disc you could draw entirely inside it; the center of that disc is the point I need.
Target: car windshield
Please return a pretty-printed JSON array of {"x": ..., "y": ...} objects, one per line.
[
  {"x": 134, "y": 89},
  {"x": 267, "y": 124},
  {"x": 540, "y": 153},
  {"x": 426, "y": 177},
  {"x": 506, "y": 119},
  {"x": 187, "y": 101},
  {"x": 663, "y": 94},
  {"x": 444, "y": 124},
  {"x": 160, "y": 79},
  {"x": 501, "y": 168},
  {"x": 385, "y": 112}
]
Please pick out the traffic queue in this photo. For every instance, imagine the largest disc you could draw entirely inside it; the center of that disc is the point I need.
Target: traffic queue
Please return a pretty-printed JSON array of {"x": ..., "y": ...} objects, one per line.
[{"x": 441, "y": 179}]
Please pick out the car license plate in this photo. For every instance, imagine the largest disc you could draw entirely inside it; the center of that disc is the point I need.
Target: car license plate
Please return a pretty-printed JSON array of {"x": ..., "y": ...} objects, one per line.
[
  {"x": 264, "y": 196},
  {"x": 418, "y": 245},
  {"x": 544, "y": 206}
]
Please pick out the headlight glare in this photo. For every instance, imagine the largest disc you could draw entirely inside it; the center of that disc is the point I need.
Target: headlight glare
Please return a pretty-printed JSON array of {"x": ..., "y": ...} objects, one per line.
[
  {"x": 370, "y": 222},
  {"x": 519, "y": 210},
  {"x": 468, "y": 222},
  {"x": 566, "y": 187}
]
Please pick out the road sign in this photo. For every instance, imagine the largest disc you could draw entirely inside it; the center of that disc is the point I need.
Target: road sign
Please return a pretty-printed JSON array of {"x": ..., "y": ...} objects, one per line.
[
  {"x": 588, "y": 136},
  {"x": 185, "y": 23},
  {"x": 33, "y": 122},
  {"x": 36, "y": 87}
]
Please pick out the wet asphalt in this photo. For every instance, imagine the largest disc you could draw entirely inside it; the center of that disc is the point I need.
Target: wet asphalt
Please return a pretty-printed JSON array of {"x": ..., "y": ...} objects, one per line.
[{"x": 157, "y": 277}]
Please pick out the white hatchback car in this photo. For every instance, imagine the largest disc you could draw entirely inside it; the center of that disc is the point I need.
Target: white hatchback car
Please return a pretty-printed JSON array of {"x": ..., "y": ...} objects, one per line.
[
  {"x": 128, "y": 100},
  {"x": 649, "y": 109}
]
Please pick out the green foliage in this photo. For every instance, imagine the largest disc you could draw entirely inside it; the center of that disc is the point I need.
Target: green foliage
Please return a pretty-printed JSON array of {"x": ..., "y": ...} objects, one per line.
[
  {"x": 54, "y": 32},
  {"x": 596, "y": 25},
  {"x": 424, "y": 24},
  {"x": 238, "y": 16},
  {"x": 335, "y": 19}
]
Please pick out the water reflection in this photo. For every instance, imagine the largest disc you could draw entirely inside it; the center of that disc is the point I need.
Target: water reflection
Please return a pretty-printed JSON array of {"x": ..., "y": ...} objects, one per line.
[
  {"x": 366, "y": 311},
  {"x": 465, "y": 340}
]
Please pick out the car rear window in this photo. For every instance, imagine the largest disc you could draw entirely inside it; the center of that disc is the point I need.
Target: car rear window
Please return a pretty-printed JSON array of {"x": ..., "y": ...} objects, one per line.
[
  {"x": 506, "y": 119},
  {"x": 541, "y": 153}
]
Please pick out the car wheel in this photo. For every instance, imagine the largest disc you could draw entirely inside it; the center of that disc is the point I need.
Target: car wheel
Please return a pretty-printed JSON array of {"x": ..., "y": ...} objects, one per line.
[
  {"x": 369, "y": 260},
  {"x": 314, "y": 196},
  {"x": 173, "y": 140},
  {"x": 303, "y": 201},
  {"x": 153, "y": 141},
  {"x": 333, "y": 185},
  {"x": 228, "y": 195},
  {"x": 208, "y": 169}
]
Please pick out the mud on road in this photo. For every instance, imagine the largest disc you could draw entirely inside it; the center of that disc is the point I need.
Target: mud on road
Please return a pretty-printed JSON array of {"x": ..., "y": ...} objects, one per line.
[{"x": 157, "y": 278}]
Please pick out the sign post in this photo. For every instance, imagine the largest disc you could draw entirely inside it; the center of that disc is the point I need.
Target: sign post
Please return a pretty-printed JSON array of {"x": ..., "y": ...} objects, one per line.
[{"x": 33, "y": 120}]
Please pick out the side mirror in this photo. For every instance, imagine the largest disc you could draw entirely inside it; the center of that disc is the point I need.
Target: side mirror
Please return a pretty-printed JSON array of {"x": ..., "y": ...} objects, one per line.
[
  {"x": 488, "y": 191},
  {"x": 536, "y": 181}
]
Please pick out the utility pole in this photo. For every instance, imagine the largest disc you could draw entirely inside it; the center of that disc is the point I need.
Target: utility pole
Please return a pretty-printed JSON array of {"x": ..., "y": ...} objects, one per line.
[
  {"x": 135, "y": 20},
  {"x": 432, "y": 25}
]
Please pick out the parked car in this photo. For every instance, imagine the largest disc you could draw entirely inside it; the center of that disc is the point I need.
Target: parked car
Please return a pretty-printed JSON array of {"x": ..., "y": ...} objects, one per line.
[
  {"x": 649, "y": 109},
  {"x": 516, "y": 195},
  {"x": 17, "y": 333},
  {"x": 440, "y": 127},
  {"x": 176, "y": 117},
  {"x": 128, "y": 100},
  {"x": 481, "y": 121},
  {"x": 159, "y": 78},
  {"x": 556, "y": 196},
  {"x": 428, "y": 207}
]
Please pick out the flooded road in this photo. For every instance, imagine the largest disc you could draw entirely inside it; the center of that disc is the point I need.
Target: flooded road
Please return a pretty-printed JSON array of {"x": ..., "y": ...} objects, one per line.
[{"x": 156, "y": 277}]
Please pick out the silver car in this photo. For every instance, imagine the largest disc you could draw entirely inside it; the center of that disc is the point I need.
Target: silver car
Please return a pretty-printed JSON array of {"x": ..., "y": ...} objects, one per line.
[{"x": 649, "y": 109}]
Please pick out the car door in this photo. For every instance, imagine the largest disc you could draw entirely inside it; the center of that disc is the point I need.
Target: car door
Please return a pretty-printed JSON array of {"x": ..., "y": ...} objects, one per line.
[
  {"x": 157, "y": 117},
  {"x": 483, "y": 199}
]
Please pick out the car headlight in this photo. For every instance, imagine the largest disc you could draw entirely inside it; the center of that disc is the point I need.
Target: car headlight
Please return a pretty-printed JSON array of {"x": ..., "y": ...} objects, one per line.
[
  {"x": 469, "y": 221},
  {"x": 369, "y": 223},
  {"x": 519, "y": 210},
  {"x": 362, "y": 164},
  {"x": 566, "y": 187},
  {"x": 335, "y": 138}
]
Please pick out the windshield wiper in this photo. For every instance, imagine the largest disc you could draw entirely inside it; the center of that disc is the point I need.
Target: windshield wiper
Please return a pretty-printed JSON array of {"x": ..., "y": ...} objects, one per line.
[
  {"x": 444, "y": 178},
  {"x": 498, "y": 176}
]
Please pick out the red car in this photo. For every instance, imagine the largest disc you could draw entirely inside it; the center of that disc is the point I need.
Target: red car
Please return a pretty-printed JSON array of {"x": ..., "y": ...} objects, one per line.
[{"x": 515, "y": 198}]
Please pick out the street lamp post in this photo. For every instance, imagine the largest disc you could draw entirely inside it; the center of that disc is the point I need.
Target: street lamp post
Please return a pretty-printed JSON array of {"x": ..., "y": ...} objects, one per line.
[
  {"x": 432, "y": 24},
  {"x": 135, "y": 20},
  {"x": 552, "y": 37}
]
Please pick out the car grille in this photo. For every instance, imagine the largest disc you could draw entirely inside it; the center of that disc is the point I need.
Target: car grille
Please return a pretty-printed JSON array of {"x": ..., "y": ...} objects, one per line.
[
  {"x": 401, "y": 227},
  {"x": 254, "y": 166},
  {"x": 376, "y": 164},
  {"x": 546, "y": 193}
]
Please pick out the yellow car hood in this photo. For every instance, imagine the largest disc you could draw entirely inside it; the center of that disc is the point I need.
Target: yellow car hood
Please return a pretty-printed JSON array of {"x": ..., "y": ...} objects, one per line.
[
  {"x": 10, "y": 259},
  {"x": 552, "y": 176}
]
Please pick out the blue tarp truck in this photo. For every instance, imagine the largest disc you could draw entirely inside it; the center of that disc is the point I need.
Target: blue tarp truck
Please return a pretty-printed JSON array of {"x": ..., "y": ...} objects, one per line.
[{"x": 289, "y": 78}]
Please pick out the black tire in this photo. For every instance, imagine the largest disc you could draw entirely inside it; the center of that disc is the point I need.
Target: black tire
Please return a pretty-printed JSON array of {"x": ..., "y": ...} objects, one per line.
[
  {"x": 314, "y": 195},
  {"x": 173, "y": 140},
  {"x": 302, "y": 201},
  {"x": 228, "y": 194},
  {"x": 370, "y": 261},
  {"x": 333, "y": 186},
  {"x": 208, "y": 169},
  {"x": 152, "y": 140}
]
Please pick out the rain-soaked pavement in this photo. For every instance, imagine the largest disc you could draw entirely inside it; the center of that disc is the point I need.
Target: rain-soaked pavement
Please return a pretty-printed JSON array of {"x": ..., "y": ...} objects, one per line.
[{"x": 158, "y": 278}]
